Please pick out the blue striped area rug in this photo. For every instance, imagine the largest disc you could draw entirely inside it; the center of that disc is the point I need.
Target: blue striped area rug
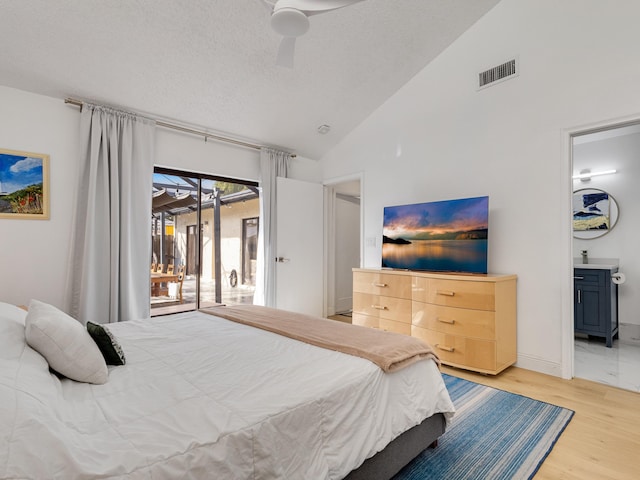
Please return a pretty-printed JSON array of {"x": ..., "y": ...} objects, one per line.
[{"x": 494, "y": 435}]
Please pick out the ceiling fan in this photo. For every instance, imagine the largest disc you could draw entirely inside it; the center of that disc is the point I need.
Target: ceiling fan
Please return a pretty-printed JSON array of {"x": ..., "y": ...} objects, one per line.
[{"x": 290, "y": 18}]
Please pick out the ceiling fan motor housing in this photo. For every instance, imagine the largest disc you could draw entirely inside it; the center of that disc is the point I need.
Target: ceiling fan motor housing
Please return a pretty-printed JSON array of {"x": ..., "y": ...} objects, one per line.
[{"x": 289, "y": 22}]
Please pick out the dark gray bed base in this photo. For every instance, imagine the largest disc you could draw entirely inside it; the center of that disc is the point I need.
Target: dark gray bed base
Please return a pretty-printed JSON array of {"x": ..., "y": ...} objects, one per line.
[{"x": 385, "y": 464}]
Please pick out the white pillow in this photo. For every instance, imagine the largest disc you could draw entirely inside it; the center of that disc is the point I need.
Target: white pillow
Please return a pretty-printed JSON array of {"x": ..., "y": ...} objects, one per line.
[
  {"x": 11, "y": 311},
  {"x": 65, "y": 343}
]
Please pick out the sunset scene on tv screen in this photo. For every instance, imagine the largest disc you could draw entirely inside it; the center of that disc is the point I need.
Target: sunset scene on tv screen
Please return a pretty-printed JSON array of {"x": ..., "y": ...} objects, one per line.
[
  {"x": 449, "y": 235},
  {"x": 446, "y": 220}
]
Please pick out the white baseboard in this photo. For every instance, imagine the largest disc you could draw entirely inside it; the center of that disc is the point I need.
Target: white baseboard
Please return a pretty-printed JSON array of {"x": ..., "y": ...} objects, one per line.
[
  {"x": 629, "y": 333},
  {"x": 530, "y": 362}
]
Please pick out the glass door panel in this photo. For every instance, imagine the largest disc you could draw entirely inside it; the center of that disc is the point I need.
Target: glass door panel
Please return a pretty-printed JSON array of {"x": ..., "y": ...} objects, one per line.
[
  {"x": 239, "y": 209},
  {"x": 204, "y": 233},
  {"x": 174, "y": 214},
  {"x": 209, "y": 238},
  {"x": 225, "y": 208}
]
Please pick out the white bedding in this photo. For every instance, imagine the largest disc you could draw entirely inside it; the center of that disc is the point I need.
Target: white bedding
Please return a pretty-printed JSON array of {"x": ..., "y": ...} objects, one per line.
[{"x": 203, "y": 397}]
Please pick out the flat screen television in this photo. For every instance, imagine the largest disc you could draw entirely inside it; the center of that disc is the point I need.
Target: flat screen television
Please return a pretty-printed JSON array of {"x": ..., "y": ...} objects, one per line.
[{"x": 445, "y": 236}]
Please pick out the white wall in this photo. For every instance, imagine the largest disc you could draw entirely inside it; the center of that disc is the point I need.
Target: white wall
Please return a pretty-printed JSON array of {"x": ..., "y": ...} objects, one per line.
[
  {"x": 439, "y": 138},
  {"x": 175, "y": 149},
  {"x": 34, "y": 255},
  {"x": 621, "y": 153}
]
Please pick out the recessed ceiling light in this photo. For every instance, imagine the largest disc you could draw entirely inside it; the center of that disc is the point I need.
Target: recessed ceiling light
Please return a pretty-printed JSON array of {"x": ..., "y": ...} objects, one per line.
[{"x": 323, "y": 129}]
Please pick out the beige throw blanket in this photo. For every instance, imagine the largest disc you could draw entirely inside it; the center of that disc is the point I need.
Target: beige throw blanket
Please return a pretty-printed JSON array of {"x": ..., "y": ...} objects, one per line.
[{"x": 390, "y": 351}]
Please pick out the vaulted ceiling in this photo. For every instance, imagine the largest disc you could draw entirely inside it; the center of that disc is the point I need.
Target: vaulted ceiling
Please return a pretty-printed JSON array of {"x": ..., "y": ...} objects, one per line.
[{"x": 212, "y": 63}]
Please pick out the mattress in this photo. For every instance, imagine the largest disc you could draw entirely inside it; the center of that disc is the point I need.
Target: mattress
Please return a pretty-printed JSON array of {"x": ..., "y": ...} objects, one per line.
[{"x": 203, "y": 397}]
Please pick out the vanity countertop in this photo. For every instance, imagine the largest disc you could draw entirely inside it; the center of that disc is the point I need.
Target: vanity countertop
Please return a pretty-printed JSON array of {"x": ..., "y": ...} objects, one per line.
[
  {"x": 600, "y": 266},
  {"x": 598, "y": 263}
]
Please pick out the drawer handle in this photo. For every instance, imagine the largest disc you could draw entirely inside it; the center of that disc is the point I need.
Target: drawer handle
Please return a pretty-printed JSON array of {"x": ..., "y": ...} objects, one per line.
[
  {"x": 445, "y": 320},
  {"x": 379, "y": 307},
  {"x": 445, "y": 348},
  {"x": 381, "y": 285},
  {"x": 578, "y": 278},
  {"x": 448, "y": 293}
]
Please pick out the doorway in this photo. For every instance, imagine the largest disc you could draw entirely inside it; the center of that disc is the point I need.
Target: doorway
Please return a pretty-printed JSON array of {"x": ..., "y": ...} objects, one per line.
[
  {"x": 343, "y": 211},
  {"x": 201, "y": 240},
  {"x": 609, "y": 148}
]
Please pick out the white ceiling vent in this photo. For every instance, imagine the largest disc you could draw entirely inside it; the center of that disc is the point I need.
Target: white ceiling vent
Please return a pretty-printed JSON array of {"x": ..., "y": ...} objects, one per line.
[{"x": 498, "y": 74}]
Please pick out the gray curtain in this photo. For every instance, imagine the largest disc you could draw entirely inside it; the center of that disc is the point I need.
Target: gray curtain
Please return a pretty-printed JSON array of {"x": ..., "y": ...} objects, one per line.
[
  {"x": 273, "y": 164},
  {"x": 112, "y": 245}
]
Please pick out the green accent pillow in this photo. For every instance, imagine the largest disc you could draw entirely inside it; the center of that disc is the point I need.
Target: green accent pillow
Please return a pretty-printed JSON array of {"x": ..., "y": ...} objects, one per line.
[{"x": 107, "y": 343}]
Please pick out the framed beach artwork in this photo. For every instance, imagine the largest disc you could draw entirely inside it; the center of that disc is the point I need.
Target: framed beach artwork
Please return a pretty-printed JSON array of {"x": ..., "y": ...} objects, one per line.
[
  {"x": 595, "y": 213},
  {"x": 24, "y": 185}
]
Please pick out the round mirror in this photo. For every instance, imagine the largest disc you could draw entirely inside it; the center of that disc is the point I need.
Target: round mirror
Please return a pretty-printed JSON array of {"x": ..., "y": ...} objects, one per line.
[{"x": 595, "y": 213}]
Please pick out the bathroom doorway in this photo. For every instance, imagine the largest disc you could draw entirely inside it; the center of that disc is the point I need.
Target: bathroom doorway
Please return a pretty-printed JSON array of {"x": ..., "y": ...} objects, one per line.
[
  {"x": 614, "y": 149},
  {"x": 343, "y": 240}
]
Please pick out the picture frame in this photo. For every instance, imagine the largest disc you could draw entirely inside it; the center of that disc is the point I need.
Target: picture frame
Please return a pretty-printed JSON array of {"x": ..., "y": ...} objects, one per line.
[
  {"x": 595, "y": 213},
  {"x": 24, "y": 185}
]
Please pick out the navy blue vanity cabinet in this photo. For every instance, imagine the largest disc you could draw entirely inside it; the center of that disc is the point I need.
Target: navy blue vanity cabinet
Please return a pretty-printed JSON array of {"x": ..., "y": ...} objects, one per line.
[{"x": 595, "y": 303}]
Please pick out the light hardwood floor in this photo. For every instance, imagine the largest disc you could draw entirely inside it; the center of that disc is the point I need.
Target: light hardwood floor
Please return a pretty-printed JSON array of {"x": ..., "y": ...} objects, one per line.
[{"x": 602, "y": 441}]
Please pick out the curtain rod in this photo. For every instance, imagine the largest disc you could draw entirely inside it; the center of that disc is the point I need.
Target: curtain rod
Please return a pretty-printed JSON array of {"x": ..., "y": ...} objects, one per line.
[{"x": 206, "y": 135}]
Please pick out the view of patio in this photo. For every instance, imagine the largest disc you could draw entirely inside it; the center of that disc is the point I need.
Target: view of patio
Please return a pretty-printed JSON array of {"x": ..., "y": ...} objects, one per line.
[
  {"x": 220, "y": 255},
  {"x": 162, "y": 305}
]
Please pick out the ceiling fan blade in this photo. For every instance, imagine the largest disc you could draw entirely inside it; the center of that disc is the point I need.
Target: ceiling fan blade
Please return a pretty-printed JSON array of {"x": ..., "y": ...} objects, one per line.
[
  {"x": 312, "y": 7},
  {"x": 285, "y": 52}
]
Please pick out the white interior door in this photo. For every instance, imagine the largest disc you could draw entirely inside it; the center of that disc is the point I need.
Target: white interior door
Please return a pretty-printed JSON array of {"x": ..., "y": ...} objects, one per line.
[{"x": 299, "y": 237}]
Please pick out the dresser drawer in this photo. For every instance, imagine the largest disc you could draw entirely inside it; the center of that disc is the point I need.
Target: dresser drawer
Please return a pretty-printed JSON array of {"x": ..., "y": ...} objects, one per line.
[
  {"x": 455, "y": 293},
  {"x": 469, "y": 319},
  {"x": 398, "y": 309},
  {"x": 388, "y": 285},
  {"x": 381, "y": 323},
  {"x": 455, "y": 321},
  {"x": 393, "y": 326},
  {"x": 365, "y": 320},
  {"x": 459, "y": 351}
]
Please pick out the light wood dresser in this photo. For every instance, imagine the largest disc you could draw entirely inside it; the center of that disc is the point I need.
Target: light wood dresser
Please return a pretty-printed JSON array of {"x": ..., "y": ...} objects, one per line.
[{"x": 470, "y": 320}]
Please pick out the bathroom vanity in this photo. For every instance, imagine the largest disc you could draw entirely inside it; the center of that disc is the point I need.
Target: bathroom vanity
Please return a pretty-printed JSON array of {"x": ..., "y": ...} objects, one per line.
[{"x": 595, "y": 301}]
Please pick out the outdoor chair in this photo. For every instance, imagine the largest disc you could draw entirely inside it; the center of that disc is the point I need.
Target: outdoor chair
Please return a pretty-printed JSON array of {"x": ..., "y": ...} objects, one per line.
[{"x": 175, "y": 288}]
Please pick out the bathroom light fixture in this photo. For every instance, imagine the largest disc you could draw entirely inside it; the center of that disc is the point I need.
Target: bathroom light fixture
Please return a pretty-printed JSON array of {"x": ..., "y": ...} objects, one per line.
[
  {"x": 585, "y": 175},
  {"x": 324, "y": 129}
]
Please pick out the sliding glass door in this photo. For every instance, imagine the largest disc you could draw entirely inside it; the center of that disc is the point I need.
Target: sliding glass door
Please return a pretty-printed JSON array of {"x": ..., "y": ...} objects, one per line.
[{"x": 204, "y": 237}]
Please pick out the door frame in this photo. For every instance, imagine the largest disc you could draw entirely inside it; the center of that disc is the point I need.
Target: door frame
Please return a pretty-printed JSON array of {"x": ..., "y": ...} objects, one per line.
[
  {"x": 329, "y": 235},
  {"x": 566, "y": 174}
]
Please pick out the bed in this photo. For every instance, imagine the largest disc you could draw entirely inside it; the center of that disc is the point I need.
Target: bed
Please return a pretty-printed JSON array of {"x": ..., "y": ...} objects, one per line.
[{"x": 204, "y": 397}]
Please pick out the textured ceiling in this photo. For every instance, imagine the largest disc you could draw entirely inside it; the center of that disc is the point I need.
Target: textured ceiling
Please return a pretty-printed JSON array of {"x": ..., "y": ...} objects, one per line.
[{"x": 211, "y": 64}]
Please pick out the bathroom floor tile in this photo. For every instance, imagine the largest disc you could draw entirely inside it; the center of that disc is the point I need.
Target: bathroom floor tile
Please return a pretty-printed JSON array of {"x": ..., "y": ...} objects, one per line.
[{"x": 617, "y": 366}]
